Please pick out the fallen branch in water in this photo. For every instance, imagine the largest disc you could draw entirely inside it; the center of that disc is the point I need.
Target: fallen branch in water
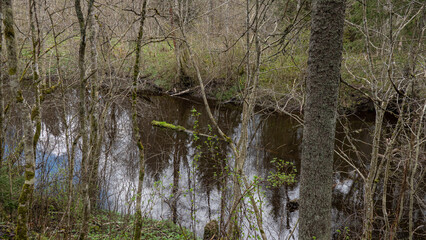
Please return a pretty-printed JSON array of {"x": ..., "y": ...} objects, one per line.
[{"x": 179, "y": 128}]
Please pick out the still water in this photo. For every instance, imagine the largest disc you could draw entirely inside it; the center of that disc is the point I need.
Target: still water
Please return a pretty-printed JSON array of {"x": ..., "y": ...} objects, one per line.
[{"x": 184, "y": 180}]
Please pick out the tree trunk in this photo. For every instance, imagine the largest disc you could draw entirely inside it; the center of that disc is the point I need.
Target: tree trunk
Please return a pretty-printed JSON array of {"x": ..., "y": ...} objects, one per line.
[
  {"x": 9, "y": 36},
  {"x": 94, "y": 112},
  {"x": 34, "y": 117},
  {"x": 2, "y": 115},
  {"x": 136, "y": 131},
  {"x": 82, "y": 115},
  {"x": 325, "y": 54},
  {"x": 373, "y": 174},
  {"x": 28, "y": 114},
  {"x": 249, "y": 97},
  {"x": 8, "y": 21},
  {"x": 414, "y": 164}
]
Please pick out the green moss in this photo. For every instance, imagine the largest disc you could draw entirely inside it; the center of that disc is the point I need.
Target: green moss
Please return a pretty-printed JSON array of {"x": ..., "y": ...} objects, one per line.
[
  {"x": 6, "y": 109},
  {"x": 34, "y": 113},
  {"x": 37, "y": 134},
  {"x": 12, "y": 70},
  {"x": 21, "y": 228},
  {"x": 168, "y": 125},
  {"x": 19, "y": 97},
  {"x": 140, "y": 146},
  {"x": 29, "y": 175},
  {"x": 138, "y": 225},
  {"x": 49, "y": 90}
]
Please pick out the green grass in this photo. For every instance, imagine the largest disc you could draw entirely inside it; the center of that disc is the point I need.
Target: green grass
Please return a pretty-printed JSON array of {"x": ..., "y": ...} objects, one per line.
[
  {"x": 159, "y": 61},
  {"x": 104, "y": 228}
]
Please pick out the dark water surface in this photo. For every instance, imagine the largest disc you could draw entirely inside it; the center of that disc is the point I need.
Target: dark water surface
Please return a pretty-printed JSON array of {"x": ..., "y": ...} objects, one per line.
[{"x": 184, "y": 179}]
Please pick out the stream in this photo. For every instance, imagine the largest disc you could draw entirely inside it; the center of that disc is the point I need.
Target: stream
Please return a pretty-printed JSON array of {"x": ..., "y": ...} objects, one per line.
[{"x": 183, "y": 175}]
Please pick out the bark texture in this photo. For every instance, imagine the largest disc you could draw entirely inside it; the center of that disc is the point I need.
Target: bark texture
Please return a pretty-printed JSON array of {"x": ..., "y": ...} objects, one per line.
[
  {"x": 1, "y": 88},
  {"x": 373, "y": 174},
  {"x": 136, "y": 130},
  {"x": 9, "y": 36},
  {"x": 83, "y": 113},
  {"x": 95, "y": 134},
  {"x": 325, "y": 54},
  {"x": 28, "y": 114}
]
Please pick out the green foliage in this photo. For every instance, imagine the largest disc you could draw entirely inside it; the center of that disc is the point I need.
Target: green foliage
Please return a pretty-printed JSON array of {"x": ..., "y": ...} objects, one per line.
[
  {"x": 285, "y": 173},
  {"x": 7, "y": 202},
  {"x": 343, "y": 234},
  {"x": 154, "y": 230},
  {"x": 109, "y": 225}
]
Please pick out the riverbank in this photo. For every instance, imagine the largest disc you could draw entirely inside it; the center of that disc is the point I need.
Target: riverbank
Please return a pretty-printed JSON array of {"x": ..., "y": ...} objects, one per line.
[{"x": 352, "y": 100}]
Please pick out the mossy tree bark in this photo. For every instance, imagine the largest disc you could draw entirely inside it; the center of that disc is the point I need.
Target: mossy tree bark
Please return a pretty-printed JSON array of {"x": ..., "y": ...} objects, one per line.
[
  {"x": 8, "y": 21},
  {"x": 135, "y": 122},
  {"x": 30, "y": 113},
  {"x": 9, "y": 35},
  {"x": 2, "y": 115},
  {"x": 325, "y": 55},
  {"x": 85, "y": 166},
  {"x": 30, "y": 137},
  {"x": 10, "y": 48},
  {"x": 95, "y": 135},
  {"x": 36, "y": 45}
]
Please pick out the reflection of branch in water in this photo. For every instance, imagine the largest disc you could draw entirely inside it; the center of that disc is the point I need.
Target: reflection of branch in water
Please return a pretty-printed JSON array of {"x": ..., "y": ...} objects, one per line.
[
  {"x": 294, "y": 228},
  {"x": 172, "y": 201}
]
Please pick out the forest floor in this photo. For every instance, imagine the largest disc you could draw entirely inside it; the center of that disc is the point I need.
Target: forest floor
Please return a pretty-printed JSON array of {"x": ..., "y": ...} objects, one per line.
[{"x": 105, "y": 225}]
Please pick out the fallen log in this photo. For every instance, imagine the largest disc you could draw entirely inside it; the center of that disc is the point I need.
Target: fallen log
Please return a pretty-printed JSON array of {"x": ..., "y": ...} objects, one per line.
[{"x": 179, "y": 128}]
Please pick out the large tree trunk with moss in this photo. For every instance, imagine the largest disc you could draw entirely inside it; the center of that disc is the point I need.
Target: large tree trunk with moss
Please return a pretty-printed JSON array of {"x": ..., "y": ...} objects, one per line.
[
  {"x": 8, "y": 21},
  {"x": 325, "y": 54},
  {"x": 9, "y": 35},
  {"x": 32, "y": 128},
  {"x": 135, "y": 122},
  {"x": 28, "y": 187},
  {"x": 1, "y": 88},
  {"x": 29, "y": 113}
]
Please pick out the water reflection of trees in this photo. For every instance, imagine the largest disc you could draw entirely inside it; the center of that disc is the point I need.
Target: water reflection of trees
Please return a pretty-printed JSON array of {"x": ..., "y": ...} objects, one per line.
[{"x": 169, "y": 156}]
